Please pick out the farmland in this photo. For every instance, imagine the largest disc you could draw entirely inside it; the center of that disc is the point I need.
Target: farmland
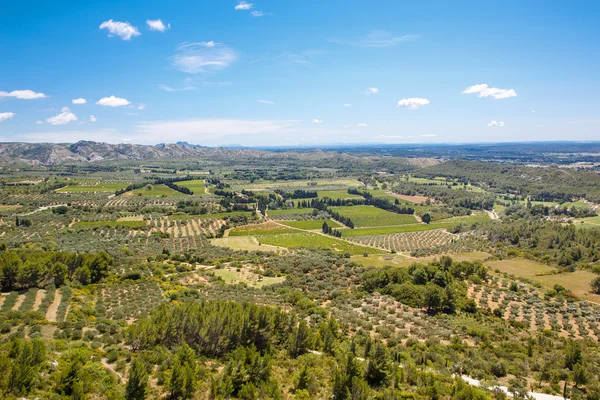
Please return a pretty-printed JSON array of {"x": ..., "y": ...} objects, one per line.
[
  {"x": 106, "y": 271},
  {"x": 195, "y": 185},
  {"x": 311, "y": 224},
  {"x": 369, "y": 216},
  {"x": 314, "y": 241}
]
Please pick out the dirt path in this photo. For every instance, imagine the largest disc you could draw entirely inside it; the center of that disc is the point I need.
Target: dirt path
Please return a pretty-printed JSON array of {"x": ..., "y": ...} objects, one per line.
[
  {"x": 492, "y": 214},
  {"x": 112, "y": 369},
  {"x": 39, "y": 296},
  {"x": 19, "y": 302},
  {"x": 53, "y": 309}
]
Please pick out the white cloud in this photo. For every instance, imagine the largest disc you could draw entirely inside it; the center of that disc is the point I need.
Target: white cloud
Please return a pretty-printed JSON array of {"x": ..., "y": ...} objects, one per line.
[
  {"x": 413, "y": 103},
  {"x": 347, "y": 105},
  {"x": 199, "y": 57},
  {"x": 124, "y": 30},
  {"x": 93, "y": 119},
  {"x": 496, "y": 123},
  {"x": 23, "y": 94},
  {"x": 428, "y": 135},
  {"x": 39, "y": 122},
  {"x": 113, "y": 101},
  {"x": 372, "y": 90},
  {"x": 362, "y": 125},
  {"x": 79, "y": 101},
  {"x": 157, "y": 25},
  {"x": 265, "y": 101},
  {"x": 485, "y": 91},
  {"x": 6, "y": 115},
  {"x": 141, "y": 106},
  {"x": 244, "y": 5},
  {"x": 63, "y": 118},
  {"x": 316, "y": 121}
]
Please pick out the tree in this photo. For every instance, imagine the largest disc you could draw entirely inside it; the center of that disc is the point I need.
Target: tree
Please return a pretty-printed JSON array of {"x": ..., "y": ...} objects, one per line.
[
  {"x": 137, "y": 382},
  {"x": 580, "y": 376},
  {"x": 182, "y": 384},
  {"x": 595, "y": 284},
  {"x": 377, "y": 368},
  {"x": 426, "y": 218},
  {"x": 433, "y": 298},
  {"x": 299, "y": 340},
  {"x": 572, "y": 354}
]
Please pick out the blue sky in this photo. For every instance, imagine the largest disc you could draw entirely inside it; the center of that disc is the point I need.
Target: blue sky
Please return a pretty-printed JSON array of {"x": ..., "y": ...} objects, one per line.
[{"x": 266, "y": 72}]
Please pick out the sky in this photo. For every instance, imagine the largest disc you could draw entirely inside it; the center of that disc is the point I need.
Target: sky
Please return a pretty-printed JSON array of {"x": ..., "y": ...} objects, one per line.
[{"x": 299, "y": 73}]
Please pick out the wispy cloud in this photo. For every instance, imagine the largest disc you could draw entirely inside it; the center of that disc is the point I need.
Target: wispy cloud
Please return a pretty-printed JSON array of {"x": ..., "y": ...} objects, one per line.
[
  {"x": 201, "y": 57},
  {"x": 157, "y": 25},
  {"x": 347, "y": 105},
  {"x": 6, "y": 115},
  {"x": 23, "y": 94},
  {"x": 413, "y": 103},
  {"x": 362, "y": 125},
  {"x": 63, "y": 118},
  {"x": 113, "y": 101},
  {"x": 265, "y": 101},
  {"x": 316, "y": 121},
  {"x": 483, "y": 90},
  {"x": 496, "y": 123},
  {"x": 93, "y": 119},
  {"x": 371, "y": 90},
  {"x": 377, "y": 38},
  {"x": 257, "y": 13},
  {"x": 141, "y": 106},
  {"x": 244, "y": 5},
  {"x": 124, "y": 30}
]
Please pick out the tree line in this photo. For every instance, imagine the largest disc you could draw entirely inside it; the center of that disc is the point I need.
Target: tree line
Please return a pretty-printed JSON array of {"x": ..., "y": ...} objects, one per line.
[{"x": 22, "y": 269}]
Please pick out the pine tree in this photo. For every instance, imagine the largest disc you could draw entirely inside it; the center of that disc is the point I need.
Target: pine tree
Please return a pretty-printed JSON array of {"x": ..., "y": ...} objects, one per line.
[
  {"x": 137, "y": 383},
  {"x": 183, "y": 376},
  {"x": 378, "y": 365}
]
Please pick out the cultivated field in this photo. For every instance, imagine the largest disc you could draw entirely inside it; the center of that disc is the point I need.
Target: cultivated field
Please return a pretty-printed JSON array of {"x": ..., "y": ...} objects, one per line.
[
  {"x": 368, "y": 216},
  {"x": 406, "y": 242},
  {"x": 314, "y": 241}
]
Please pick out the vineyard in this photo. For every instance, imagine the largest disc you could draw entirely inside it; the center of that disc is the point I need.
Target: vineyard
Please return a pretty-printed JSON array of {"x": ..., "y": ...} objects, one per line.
[{"x": 406, "y": 242}]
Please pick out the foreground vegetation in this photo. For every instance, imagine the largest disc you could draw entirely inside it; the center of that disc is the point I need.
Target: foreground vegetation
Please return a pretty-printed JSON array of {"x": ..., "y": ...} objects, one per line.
[{"x": 298, "y": 278}]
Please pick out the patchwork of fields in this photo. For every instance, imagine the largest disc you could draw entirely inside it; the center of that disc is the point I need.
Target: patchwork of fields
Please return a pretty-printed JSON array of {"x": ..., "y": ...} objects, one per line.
[{"x": 369, "y": 216}]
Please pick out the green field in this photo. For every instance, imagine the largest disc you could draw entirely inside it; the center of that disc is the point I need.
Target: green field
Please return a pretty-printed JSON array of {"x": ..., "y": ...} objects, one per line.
[
  {"x": 100, "y": 187},
  {"x": 590, "y": 222},
  {"x": 337, "y": 194},
  {"x": 110, "y": 224},
  {"x": 313, "y": 240},
  {"x": 157, "y": 190},
  {"x": 303, "y": 184},
  {"x": 446, "y": 223},
  {"x": 289, "y": 211},
  {"x": 195, "y": 185},
  {"x": 311, "y": 224},
  {"x": 382, "y": 194},
  {"x": 367, "y": 216},
  {"x": 267, "y": 228}
]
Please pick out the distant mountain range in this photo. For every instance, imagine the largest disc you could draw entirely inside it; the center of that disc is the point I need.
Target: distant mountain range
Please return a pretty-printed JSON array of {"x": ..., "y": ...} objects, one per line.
[{"x": 87, "y": 151}]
